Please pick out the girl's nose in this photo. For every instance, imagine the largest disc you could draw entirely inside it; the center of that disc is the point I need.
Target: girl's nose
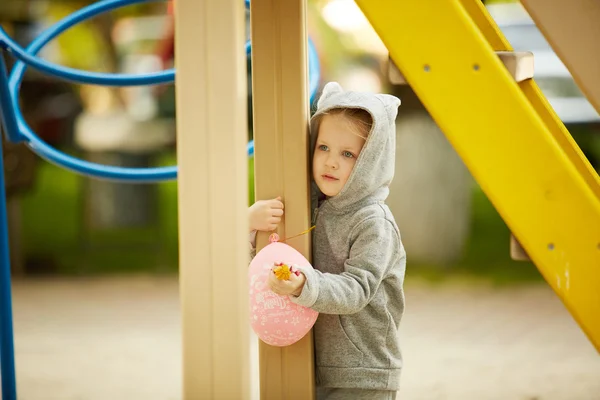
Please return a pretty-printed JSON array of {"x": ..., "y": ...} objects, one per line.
[{"x": 331, "y": 162}]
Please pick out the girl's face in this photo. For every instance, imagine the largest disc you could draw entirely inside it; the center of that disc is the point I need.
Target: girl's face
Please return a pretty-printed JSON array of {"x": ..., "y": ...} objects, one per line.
[{"x": 336, "y": 151}]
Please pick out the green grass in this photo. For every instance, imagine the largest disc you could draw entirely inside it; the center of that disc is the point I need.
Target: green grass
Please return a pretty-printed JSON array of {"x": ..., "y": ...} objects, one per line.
[
  {"x": 52, "y": 229},
  {"x": 52, "y": 232}
]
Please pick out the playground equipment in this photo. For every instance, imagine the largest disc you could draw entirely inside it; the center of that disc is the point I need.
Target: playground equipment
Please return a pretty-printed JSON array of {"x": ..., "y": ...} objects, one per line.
[
  {"x": 281, "y": 115},
  {"x": 503, "y": 128},
  {"x": 514, "y": 144},
  {"x": 17, "y": 130}
]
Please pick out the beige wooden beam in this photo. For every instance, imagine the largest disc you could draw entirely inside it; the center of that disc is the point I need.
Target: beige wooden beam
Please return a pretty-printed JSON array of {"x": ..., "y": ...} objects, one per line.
[
  {"x": 572, "y": 28},
  {"x": 211, "y": 140},
  {"x": 517, "y": 252},
  {"x": 518, "y": 63},
  {"x": 281, "y": 112}
]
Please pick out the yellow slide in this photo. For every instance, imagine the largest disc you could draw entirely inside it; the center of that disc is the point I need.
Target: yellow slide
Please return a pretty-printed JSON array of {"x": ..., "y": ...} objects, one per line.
[{"x": 507, "y": 134}]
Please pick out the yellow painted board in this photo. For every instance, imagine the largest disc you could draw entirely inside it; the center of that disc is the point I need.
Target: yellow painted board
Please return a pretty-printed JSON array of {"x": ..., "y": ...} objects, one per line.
[
  {"x": 511, "y": 141},
  {"x": 281, "y": 113},
  {"x": 213, "y": 187},
  {"x": 537, "y": 99}
]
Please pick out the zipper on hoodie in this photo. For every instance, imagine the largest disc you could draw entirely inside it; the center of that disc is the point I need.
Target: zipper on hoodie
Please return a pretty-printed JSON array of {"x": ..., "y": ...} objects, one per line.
[{"x": 314, "y": 218}]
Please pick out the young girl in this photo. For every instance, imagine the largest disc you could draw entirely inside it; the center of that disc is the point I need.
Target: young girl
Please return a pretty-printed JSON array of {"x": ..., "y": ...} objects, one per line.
[{"x": 359, "y": 260}]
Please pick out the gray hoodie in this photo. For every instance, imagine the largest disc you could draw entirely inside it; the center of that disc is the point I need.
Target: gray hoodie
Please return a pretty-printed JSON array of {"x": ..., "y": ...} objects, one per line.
[{"x": 359, "y": 260}]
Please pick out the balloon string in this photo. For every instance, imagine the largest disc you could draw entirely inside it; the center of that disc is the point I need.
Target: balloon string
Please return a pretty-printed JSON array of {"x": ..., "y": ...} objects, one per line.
[{"x": 300, "y": 234}]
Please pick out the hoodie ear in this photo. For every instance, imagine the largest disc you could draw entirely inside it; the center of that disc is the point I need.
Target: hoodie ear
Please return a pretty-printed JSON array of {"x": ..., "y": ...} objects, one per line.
[
  {"x": 329, "y": 90},
  {"x": 391, "y": 105}
]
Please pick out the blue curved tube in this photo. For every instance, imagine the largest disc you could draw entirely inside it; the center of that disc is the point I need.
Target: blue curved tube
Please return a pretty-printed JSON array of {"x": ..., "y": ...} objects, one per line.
[
  {"x": 72, "y": 74},
  {"x": 50, "y": 154},
  {"x": 314, "y": 71},
  {"x": 8, "y": 113}
]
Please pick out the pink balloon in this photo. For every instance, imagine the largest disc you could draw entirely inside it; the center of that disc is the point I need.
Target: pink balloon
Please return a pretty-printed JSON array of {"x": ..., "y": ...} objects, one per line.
[{"x": 275, "y": 319}]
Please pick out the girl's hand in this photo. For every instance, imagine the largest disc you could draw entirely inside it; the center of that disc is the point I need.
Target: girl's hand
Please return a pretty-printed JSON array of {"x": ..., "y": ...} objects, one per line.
[
  {"x": 292, "y": 286},
  {"x": 265, "y": 215}
]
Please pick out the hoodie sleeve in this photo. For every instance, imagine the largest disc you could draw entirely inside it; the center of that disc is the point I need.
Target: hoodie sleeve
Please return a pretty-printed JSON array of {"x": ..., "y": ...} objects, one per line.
[{"x": 376, "y": 249}]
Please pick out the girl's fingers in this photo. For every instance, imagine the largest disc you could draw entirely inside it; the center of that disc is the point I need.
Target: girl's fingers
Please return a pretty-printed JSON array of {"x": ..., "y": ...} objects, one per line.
[
  {"x": 277, "y": 212},
  {"x": 274, "y": 284},
  {"x": 276, "y": 204}
]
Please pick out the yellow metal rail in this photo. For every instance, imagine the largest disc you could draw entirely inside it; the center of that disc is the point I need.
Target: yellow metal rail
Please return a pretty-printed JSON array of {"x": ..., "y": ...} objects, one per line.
[{"x": 509, "y": 137}]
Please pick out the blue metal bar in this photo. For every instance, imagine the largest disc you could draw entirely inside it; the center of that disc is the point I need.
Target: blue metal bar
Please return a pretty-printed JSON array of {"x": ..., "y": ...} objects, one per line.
[
  {"x": 7, "y": 348},
  {"x": 78, "y": 76},
  {"x": 8, "y": 116},
  {"x": 131, "y": 175},
  {"x": 74, "y": 75},
  {"x": 314, "y": 71}
]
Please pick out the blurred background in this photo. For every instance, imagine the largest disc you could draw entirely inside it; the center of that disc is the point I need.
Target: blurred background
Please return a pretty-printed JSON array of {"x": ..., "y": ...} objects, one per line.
[{"x": 66, "y": 226}]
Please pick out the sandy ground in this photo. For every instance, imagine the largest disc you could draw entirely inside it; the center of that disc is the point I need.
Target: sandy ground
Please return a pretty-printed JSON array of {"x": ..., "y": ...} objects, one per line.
[{"x": 119, "y": 339}]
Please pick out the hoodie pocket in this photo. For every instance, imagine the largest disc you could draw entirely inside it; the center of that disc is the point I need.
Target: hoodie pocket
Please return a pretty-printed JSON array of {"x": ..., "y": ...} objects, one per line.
[{"x": 334, "y": 347}]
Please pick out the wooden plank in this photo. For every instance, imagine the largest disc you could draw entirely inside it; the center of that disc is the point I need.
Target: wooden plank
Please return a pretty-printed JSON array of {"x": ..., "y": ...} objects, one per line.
[
  {"x": 281, "y": 113},
  {"x": 572, "y": 28},
  {"x": 518, "y": 63},
  {"x": 213, "y": 191},
  {"x": 517, "y": 252}
]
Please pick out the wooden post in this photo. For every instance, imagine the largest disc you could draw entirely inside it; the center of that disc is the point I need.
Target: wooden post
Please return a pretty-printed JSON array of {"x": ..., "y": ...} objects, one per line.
[
  {"x": 572, "y": 29},
  {"x": 517, "y": 252},
  {"x": 281, "y": 112},
  {"x": 213, "y": 192}
]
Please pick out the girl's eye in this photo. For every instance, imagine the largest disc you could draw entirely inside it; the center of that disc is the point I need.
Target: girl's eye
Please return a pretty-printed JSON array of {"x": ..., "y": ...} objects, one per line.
[
  {"x": 348, "y": 154},
  {"x": 323, "y": 147}
]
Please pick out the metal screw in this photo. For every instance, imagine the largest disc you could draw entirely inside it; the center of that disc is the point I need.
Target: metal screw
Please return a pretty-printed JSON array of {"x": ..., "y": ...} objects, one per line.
[
  {"x": 550, "y": 246},
  {"x": 426, "y": 68},
  {"x": 476, "y": 67}
]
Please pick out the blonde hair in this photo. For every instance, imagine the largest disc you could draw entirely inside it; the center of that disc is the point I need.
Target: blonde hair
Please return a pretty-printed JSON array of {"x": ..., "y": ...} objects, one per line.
[{"x": 360, "y": 119}]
